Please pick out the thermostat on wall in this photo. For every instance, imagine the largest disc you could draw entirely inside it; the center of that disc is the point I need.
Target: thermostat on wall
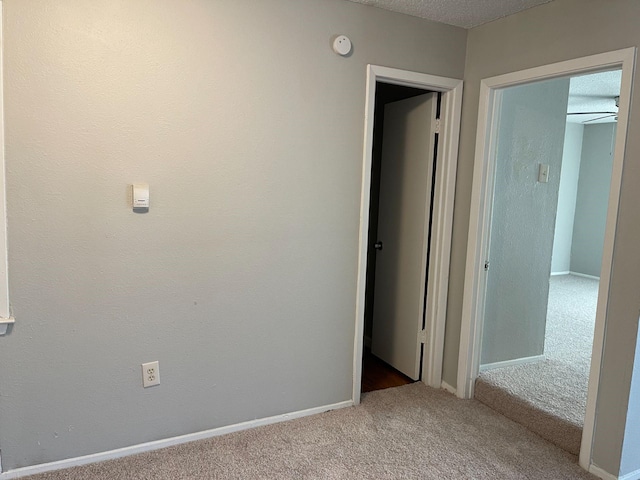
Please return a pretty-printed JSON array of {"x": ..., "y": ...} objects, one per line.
[{"x": 140, "y": 197}]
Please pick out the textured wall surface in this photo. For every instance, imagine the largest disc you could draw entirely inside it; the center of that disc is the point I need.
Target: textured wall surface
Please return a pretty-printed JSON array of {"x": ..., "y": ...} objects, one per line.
[
  {"x": 557, "y": 31},
  {"x": 563, "y": 235},
  {"x": 530, "y": 132},
  {"x": 241, "y": 279},
  {"x": 592, "y": 199}
]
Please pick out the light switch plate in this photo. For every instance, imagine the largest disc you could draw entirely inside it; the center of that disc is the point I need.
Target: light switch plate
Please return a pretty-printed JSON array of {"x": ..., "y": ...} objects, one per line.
[{"x": 543, "y": 173}]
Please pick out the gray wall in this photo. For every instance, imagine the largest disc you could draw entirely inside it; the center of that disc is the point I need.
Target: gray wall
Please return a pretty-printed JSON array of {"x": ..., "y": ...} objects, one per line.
[
  {"x": 241, "y": 279},
  {"x": 530, "y": 132},
  {"x": 592, "y": 199},
  {"x": 631, "y": 445},
  {"x": 563, "y": 234},
  {"x": 557, "y": 31}
]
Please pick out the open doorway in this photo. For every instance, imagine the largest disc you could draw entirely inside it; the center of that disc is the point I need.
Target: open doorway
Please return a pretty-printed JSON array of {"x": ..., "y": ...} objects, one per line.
[
  {"x": 481, "y": 232},
  {"x": 433, "y": 303},
  {"x": 403, "y": 133},
  {"x": 546, "y": 244}
]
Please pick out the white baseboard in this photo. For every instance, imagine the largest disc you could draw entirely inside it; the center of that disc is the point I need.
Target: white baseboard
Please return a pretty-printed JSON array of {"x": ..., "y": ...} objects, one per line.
[
  {"x": 584, "y": 275},
  {"x": 631, "y": 476},
  {"x": 449, "y": 388},
  {"x": 600, "y": 473},
  {"x": 554, "y": 274},
  {"x": 511, "y": 363},
  {"x": 167, "y": 442}
]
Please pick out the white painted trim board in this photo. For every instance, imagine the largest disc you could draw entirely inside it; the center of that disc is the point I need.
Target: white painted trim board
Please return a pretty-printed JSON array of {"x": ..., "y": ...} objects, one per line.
[
  {"x": 5, "y": 312},
  {"x": 448, "y": 388},
  {"x": 584, "y": 275},
  {"x": 627, "y": 60},
  {"x": 600, "y": 473},
  {"x": 167, "y": 442},
  {"x": 511, "y": 363},
  {"x": 577, "y": 274},
  {"x": 631, "y": 476},
  {"x": 482, "y": 191},
  {"x": 442, "y": 219},
  {"x": 477, "y": 243}
]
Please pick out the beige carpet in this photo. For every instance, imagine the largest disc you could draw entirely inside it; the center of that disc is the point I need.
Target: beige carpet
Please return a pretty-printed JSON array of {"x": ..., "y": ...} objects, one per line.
[
  {"x": 409, "y": 432},
  {"x": 550, "y": 397}
]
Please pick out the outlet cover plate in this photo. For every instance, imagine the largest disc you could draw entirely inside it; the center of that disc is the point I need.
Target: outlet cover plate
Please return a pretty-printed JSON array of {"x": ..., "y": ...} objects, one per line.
[{"x": 150, "y": 374}]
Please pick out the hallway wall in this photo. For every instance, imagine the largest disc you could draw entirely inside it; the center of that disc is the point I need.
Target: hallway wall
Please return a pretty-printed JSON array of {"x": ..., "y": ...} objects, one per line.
[
  {"x": 241, "y": 279},
  {"x": 553, "y": 32}
]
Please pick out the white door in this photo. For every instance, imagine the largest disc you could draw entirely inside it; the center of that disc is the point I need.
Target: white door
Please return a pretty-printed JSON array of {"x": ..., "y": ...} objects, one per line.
[{"x": 403, "y": 231}]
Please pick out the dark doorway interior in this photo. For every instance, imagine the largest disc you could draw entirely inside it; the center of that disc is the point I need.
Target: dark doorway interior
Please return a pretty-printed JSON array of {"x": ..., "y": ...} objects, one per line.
[{"x": 376, "y": 374}]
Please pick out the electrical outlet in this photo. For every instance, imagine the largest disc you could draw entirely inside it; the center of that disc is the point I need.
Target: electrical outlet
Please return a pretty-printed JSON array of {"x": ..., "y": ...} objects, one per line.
[{"x": 150, "y": 374}]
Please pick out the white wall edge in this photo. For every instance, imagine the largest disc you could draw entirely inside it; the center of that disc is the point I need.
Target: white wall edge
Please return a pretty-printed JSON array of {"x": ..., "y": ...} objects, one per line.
[
  {"x": 448, "y": 388},
  {"x": 512, "y": 363},
  {"x": 442, "y": 215},
  {"x": 554, "y": 274},
  {"x": 168, "y": 442},
  {"x": 5, "y": 311},
  {"x": 584, "y": 275}
]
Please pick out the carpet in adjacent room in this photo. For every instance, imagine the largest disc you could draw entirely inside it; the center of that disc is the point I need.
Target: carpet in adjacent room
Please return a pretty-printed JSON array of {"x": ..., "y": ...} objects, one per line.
[{"x": 550, "y": 396}]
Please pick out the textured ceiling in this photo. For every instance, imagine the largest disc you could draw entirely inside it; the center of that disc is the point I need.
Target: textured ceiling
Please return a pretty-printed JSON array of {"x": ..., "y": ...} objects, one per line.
[
  {"x": 461, "y": 13},
  {"x": 594, "y": 92}
]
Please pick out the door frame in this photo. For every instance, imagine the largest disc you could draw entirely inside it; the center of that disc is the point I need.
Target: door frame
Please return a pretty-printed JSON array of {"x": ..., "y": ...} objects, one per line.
[
  {"x": 442, "y": 217},
  {"x": 6, "y": 320},
  {"x": 480, "y": 218}
]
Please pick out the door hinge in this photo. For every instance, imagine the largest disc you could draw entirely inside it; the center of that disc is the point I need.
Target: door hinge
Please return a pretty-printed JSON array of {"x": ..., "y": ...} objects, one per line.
[
  {"x": 422, "y": 336},
  {"x": 437, "y": 126},
  {"x": 486, "y": 265}
]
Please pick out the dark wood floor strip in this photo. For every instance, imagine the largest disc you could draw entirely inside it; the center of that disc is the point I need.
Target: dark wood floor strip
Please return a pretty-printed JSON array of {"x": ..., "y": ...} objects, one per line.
[{"x": 377, "y": 374}]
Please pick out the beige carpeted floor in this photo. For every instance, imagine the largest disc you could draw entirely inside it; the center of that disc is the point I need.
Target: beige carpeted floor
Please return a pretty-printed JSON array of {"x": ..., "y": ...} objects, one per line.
[
  {"x": 409, "y": 432},
  {"x": 550, "y": 397}
]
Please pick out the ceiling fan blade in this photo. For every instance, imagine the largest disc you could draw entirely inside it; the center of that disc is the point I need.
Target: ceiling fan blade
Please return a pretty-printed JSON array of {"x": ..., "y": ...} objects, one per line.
[
  {"x": 600, "y": 118},
  {"x": 592, "y": 113},
  {"x": 593, "y": 96}
]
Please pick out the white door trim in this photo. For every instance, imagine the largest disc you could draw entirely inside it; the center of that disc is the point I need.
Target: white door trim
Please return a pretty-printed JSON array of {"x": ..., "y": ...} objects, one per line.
[
  {"x": 5, "y": 311},
  {"x": 482, "y": 193},
  {"x": 437, "y": 288}
]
